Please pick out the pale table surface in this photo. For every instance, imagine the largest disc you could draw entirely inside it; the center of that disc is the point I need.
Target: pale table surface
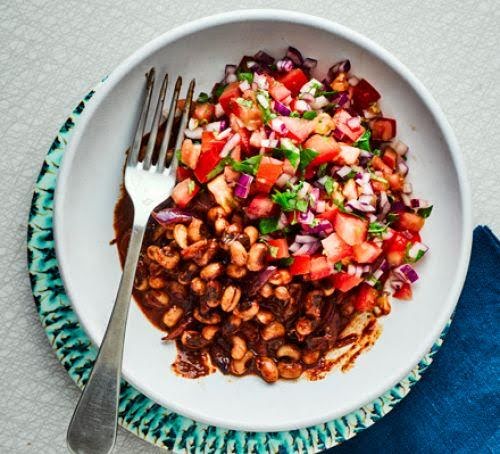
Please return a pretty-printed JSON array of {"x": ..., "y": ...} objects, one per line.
[{"x": 52, "y": 52}]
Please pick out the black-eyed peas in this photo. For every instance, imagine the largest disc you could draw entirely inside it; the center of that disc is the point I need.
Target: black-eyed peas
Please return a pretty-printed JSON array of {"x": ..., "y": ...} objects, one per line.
[
  {"x": 257, "y": 257},
  {"x": 172, "y": 316},
  {"x": 230, "y": 298},
  {"x": 267, "y": 368}
]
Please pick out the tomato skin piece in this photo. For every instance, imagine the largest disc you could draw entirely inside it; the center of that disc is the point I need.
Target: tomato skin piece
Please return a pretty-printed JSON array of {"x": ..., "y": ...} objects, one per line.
[
  {"x": 345, "y": 282},
  {"x": 280, "y": 248},
  {"x": 404, "y": 293},
  {"x": 335, "y": 248},
  {"x": 320, "y": 268},
  {"x": 366, "y": 298},
  {"x": 366, "y": 252},
  {"x": 409, "y": 221},
  {"x": 301, "y": 265},
  {"x": 383, "y": 129},
  {"x": 364, "y": 94},
  {"x": 260, "y": 207},
  {"x": 181, "y": 193},
  {"x": 350, "y": 228},
  {"x": 232, "y": 91},
  {"x": 203, "y": 111},
  {"x": 327, "y": 147},
  {"x": 268, "y": 172},
  {"x": 294, "y": 80}
]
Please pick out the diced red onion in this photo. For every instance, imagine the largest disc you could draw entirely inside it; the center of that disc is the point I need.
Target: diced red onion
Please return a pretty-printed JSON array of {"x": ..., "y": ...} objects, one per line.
[
  {"x": 354, "y": 123},
  {"x": 282, "y": 180},
  {"x": 214, "y": 127},
  {"x": 323, "y": 227},
  {"x": 307, "y": 97},
  {"x": 342, "y": 99},
  {"x": 367, "y": 189},
  {"x": 194, "y": 134},
  {"x": 219, "y": 111},
  {"x": 320, "y": 102},
  {"x": 396, "y": 284},
  {"x": 387, "y": 235},
  {"x": 309, "y": 63},
  {"x": 368, "y": 199},
  {"x": 224, "y": 134},
  {"x": 398, "y": 206},
  {"x": 302, "y": 239},
  {"x": 363, "y": 207},
  {"x": 406, "y": 273},
  {"x": 399, "y": 147},
  {"x": 301, "y": 105},
  {"x": 416, "y": 249},
  {"x": 365, "y": 154},
  {"x": 244, "y": 85},
  {"x": 261, "y": 81},
  {"x": 343, "y": 66},
  {"x": 230, "y": 74},
  {"x": 371, "y": 217},
  {"x": 285, "y": 65},
  {"x": 304, "y": 190},
  {"x": 263, "y": 101},
  {"x": 294, "y": 247},
  {"x": 344, "y": 171},
  {"x": 383, "y": 200},
  {"x": 406, "y": 199},
  {"x": 230, "y": 144},
  {"x": 407, "y": 189},
  {"x": 278, "y": 126},
  {"x": 282, "y": 221},
  {"x": 306, "y": 218},
  {"x": 313, "y": 197},
  {"x": 307, "y": 249},
  {"x": 242, "y": 188},
  {"x": 362, "y": 178},
  {"x": 419, "y": 203},
  {"x": 355, "y": 270},
  {"x": 295, "y": 55},
  {"x": 402, "y": 167},
  {"x": 171, "y": 215},
  {"x": 353, "y": 81},
  {"x": 264, "y": 57},
  {"x": 281, "y": 109},
  {"x": 269, "y": 143},
  {"x": 258, "y": 282}
]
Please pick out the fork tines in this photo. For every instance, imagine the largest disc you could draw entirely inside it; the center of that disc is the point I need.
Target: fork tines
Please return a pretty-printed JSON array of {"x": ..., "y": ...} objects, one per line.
[{"x": 133, "y": 156}]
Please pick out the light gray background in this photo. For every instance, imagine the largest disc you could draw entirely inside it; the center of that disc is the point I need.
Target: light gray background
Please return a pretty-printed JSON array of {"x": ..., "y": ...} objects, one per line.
[{"x": 52, "y": 52}]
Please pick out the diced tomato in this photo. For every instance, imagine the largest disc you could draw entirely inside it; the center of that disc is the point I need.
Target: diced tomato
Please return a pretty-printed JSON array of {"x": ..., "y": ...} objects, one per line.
[
  {"x": 390, "y": 157},
  {"x": 327, "y": 147},
  {"x": 366, "y": 298},
  {"x": 190, "y": 153},
  {"x": 348, "y": 155},
  {"x": 301, "y": 265},
  {"x": 396, "y": 181},
  {"x": 345, "y": 282},
  {"x": 203, "y": 111},
  {"x": 379, "y": 164},
  {"x": 184, "y": 191},
  {"x": 245, "y": 140},
  {"x": 294, "y": 80},
  {"x": 268, "y": 172},
  {"x": 364, "y": 94},
  {"x": 340, "y": 83},
  {"x": 298, "y": 128},
  {"x": 182, "y": 173},
  {"x": 329, "y": 214},
  {"x": 260, "y": 207},
  {"x": 277, "y": 89},
  {"x": 350, "y": 190},
  {"x": 209, "y": 157},
  {"x": 366, "y": 252},
  {"x": 350, "y": 228},
  {"x": 320, "y": 268},
  {"x": 288, "y": 168},
  {"x": 341, "y": 119},
  {"x": 232, "y": 91},
  {"x": 278, "y": 249},
  {"x": 409, "y": 221},
  {"x": 395, "y": 249},
  {"x": 335, "y": 248},
  {"x": 222, "y": 193},
  {"x": 404, "y": 293},
  {"x": 250, "y": 116},
  {"x": 383, "y": 129},
  {"x": 379, "y": 186}
]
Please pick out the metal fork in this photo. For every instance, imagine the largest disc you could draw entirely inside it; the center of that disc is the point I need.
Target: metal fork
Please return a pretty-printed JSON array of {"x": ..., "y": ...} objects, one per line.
[{"x": 93, "y": 426}]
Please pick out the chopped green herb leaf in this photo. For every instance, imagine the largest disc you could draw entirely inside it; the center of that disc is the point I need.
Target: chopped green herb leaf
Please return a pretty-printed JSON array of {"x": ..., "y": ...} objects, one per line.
[
  {"x": 377, "y": 228},
  {"x": 286, "y": 261},
  {"x": 330, "y": 185},
  {"x": 326, "y": 93},
  {"x": 203, "y": 97},
  {"x": 301, "y": 205},
  {"x": 321, "y": 172},
  {"x": 425, "y": 212},
  {"x": 218, "y": 90},
  {"x": 268, "y": 225},
  {"x": 191, "y": 186},
  {"x": 409, "y": 259},
  {"x": 364, "y": 141},
  {"x": 309, "y": 114},
  {"x": 249, "y": 165},
  {"x": 273, "y": 251},
  {"x": 219, "y": 168},
  {"x": 295, "y": 114},
  {"x": 306, "y": 156},
  {"x": 290, "y": 151},
  {"x": 391, "y": 217},
  {"x": 377, "y": 152},
  {"x": 246, "y": 76},
  {"x": 244, "y": 102},
  {"x": 178, "y": 155},
  {"x": 288, "y": 200},
  {"x": 338, "y": 266}
]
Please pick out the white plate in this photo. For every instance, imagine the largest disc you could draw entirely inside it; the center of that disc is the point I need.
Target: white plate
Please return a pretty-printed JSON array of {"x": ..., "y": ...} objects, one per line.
[{"x": 89, "y": 184}]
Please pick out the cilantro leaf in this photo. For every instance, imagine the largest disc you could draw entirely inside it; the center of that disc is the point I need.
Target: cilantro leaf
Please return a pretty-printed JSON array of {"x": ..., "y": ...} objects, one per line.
[
  {"x": 286, "y": 261},
  {"x": 329, "y": 185},
  {"x": 244, "y": 103},
  {"x": 377, "y": 228},
  {"x": 425, "y": 212},
  {"x": 391, "y": 217},
  {"x": 249, "y": 165},
  {"x": 218, "y": 90},
  {"x": 245, "y": 76},
  {"x": 309, "y": 114},
  {"x": 338, "y": 266},
  {"x": 290, "y": 151},
  {"x": 306, "y": 156},
  {"x": 364, "y": 141},
  {"x": 203, "y": 98},
  {"x": 268, "y": 225},
  {"x": 288, "y": 200},
  {"x": 219, "y": 168},
  {"x": 295, "y": 114},
  {"x": 326, "y": 93}
]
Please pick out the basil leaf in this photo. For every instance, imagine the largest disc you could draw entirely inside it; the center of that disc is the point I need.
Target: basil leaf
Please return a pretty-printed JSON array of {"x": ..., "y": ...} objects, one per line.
[
  {"x": 268, "y": 225},
  {"x": 425, "y": 212},
  {"x": 249, "y": 165},
  {"x": 306, "y": 156},
  {"x": 309, "y": 114},
  {"x": 364, "y": 141}
]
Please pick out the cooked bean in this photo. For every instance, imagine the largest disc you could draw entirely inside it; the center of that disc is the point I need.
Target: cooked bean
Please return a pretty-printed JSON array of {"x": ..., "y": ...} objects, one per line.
[
  {"x": 195, "y": 250},
  {"x": 207, "y": 254},
  {"x": 230, "y": 298},
  {"x": 142, "y": 285},
  {"x": 213, "y": 293},
  {"x": 267, "y": 368},
  {"x": 186, "y": 276},
  {"x": 289, "y": 370},
  {"x": 161, "y": 298},
  {"x": 240, "y": 366},
  {"x": 198, "y": 286},
  {"x": 247, "y": 311},
  {"x": 239, "y": 347},
  {"x": 212, "y": 271},
  {"x": 347, "y": 309},
  {"x": 313, "y": 303},
  {"x": 207, "y": 319},
  {"x": 193, "y": 340},
  {"x": 310, "y": 357},
  {"x": 220, "y": 226},
  {"x": 384, "y": 304},
  {"x": 282, "y": 293},
  {"x": 257, "y": 257},
  {"x": 215, "y": 213},
  {"x": 265, "y": 317},
  {"x": 172, "y": 316},
  {"x": 180, "y": 236},
  {"x": 272, "y": 331},
  {"x": 177, "y": 291},
  {"x": 267, "y": 291},
  {"x": 157, "y": 282},
  {"x": 288, "y": 351},
  {"x": 233, "y": 229},
  {"x": 235, "y": 271},
  {"x": 209, "y": 331},
  {"x": 167, "y": 257},
  {"x": 280, "y": 277},
  {"x": 239, "y": 255},
  {"x": 304, "y": 326},
  {"x": 194, "y": 230},
  {"x": 252, "y": 233}
]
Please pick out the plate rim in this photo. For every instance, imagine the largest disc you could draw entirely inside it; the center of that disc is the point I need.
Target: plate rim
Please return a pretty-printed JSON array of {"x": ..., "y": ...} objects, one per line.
[{"x": 363, "y": 42}]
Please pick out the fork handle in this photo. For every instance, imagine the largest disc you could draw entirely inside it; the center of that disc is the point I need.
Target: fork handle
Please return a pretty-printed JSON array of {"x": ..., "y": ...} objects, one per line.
[{"x": 93, "y": 426}]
